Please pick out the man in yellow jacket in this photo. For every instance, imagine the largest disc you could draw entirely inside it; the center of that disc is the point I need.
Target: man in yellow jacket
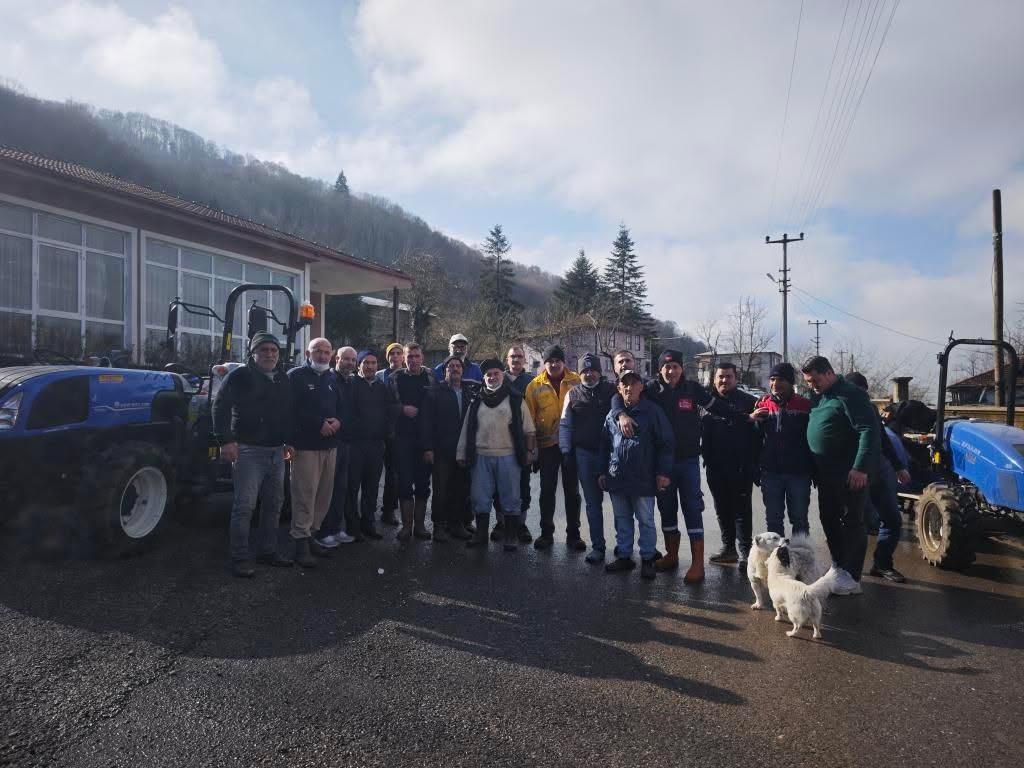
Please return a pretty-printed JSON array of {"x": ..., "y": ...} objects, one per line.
[{"x": 545, "y": 397}]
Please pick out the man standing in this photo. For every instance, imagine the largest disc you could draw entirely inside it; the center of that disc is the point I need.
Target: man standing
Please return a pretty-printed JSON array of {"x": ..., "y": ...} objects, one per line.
[
  {"x": 341, "y": 522},
  {"x": 497, "y": 440},
  {"x": 786, "y": 462},
  {"x": 579, "y": 438},
  {"x": 729, "y": 447},
  {"x": 517, "y": 378},
  {"x": 883, "y": 496},
  {"x": 394, "y": 353},
  {"x": 252, "y": 422},
  {"x": 441, "y": 419},
  {"x": 545, "y": 397},
  {"x": 410, "y": 386},
  {"x": 316, "y": 408},
  {"x": 458, "y": 346},
  {"x": 622, "y": 361},
  {"x": 843, "y": 433},
  {"x": 374, "y": 410}
]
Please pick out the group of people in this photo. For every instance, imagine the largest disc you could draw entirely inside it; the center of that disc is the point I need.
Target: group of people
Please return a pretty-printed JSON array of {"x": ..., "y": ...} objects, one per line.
[{"x": 466, "y": 438}]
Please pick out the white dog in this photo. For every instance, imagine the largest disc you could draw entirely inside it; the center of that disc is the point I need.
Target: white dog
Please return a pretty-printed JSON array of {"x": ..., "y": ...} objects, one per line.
[
  {"x": 807, "y": 568},
  {"x": 793, "y": 599}
]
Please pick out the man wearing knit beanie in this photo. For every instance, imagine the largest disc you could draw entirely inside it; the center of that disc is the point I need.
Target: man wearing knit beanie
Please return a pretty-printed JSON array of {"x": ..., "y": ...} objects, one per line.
[{"x": 394, "y": 353}]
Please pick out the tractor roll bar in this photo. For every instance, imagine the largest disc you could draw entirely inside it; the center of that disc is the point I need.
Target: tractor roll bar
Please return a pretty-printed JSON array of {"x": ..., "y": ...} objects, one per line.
[
  {"x": 940, "y": 413},
  {"x": 291, "y": 328}
]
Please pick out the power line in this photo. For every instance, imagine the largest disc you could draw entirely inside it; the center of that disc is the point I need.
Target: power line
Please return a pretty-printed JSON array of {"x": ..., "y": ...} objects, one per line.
[
  {"x": 869, "y": 322},
  {"x": 785, "y": 114}
]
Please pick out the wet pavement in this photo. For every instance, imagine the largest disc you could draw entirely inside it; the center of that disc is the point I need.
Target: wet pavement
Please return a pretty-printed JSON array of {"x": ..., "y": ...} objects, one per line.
[{"x": 462, "y": 657}]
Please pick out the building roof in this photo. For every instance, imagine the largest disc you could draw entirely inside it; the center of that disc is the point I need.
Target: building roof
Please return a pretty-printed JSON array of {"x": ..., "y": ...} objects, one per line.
[
  {"x": 986, "y": 379},
  {"x": 105, "y": 182}
]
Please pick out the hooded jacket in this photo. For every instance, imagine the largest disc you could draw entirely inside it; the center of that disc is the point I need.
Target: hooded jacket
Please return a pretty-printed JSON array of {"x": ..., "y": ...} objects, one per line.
[
  {"x": 546, "y": 404},
  {"x": 631, "y": 464},
  {"x": 783, "y": 434}
]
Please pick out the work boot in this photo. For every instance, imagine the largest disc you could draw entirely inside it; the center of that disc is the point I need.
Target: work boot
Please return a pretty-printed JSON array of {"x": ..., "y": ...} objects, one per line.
[
  {"x": 544, "y": 541},
  {"x": 405, "y": 507},
  {"x": 498, "y": 533},
  {"x": 695, "y": 575},
  {"x": 302, "y": 554},
  {"x": 671, "y": 559},
  {"x": 274, "y": 559},
  {"x": 369, "y": 531},
  {"x": 419, "y": 530},
  {"x": 458, "y": 531},
  {"x": 480, "y": 537},
  {"x": 620, "y": 564},
  {"x": 525, "y": 537},
  {"x": 439, "y": 532},
  {"x": 511, "y": 533},
  {"x": 243, "y": 569},
  {"x": 727, "y": 556},
  {"x": 647, "y": 569},
  {"x": 387, "y": 516},
  {"x": 574, "y": 543},
  {"x": 317, "y": 550}
]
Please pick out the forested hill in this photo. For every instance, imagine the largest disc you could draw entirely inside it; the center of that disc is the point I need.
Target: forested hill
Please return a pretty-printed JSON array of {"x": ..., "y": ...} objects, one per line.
[{"x": 169, "y": 158}]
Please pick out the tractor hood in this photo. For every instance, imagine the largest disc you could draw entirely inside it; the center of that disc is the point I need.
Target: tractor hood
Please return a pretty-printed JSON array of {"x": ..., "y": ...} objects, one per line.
[{"x": 992, "y": 457}]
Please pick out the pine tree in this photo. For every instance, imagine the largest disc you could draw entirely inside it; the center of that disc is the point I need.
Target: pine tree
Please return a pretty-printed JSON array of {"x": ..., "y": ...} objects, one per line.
[
  {"x": 623, "y": 280},
  {"x": 341, "y": 184},
  {"x": 580, "y": 286},
  {"x": 498, "y": 277}
]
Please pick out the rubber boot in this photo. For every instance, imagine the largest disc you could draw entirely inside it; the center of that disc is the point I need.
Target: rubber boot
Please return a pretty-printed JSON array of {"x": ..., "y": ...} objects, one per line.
[
  {"x": 419, "y": 530},
  {"x": 405, "y": 506},
  {"x": 511, "y": 533},
  {"x": 670, "y": 560},
  {"x": 303, "y": 556},
  {"x": 480, "y": 535},
  {"x": 695, "y": 575}
]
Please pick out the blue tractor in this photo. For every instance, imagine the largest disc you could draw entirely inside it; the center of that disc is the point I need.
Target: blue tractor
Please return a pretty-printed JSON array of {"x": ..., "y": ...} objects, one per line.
[
  {"x": 114, "y": 447},
  {"x": 977, "y": 473}
]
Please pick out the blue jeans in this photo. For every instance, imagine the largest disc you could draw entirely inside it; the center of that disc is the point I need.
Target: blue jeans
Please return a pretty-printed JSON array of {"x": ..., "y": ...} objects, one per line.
[
  {"x": 495, "y": 474},
  {"x": 890, "y": 519},
  {"x": 257, "y": 474},
  {"x": 685, "y": 490},
  {"x": 784, "y": 493},
  {"x": 625, "y": 509},
  {"x": 588, "y": 468}
]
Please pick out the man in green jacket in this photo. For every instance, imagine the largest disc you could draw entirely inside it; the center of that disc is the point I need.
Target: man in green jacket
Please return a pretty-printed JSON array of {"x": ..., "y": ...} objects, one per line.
[{"x": 843, "y": 435}]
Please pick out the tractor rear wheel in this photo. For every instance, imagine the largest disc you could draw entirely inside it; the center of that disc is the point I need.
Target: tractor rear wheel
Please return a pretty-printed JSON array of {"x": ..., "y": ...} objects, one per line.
[{"x": 944, "y": 530}]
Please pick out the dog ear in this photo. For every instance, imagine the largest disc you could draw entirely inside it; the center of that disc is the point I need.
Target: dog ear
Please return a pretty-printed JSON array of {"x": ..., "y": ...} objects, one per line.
[{"x": 783, "y": 553}]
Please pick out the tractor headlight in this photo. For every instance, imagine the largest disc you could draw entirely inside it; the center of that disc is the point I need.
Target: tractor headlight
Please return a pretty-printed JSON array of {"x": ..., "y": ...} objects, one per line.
[{"x": 9, "y": 411}]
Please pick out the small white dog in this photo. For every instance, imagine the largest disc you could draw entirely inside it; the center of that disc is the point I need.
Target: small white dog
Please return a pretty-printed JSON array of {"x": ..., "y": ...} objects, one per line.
[
  {"x": 799, "y": 602},
  {"x": 806, "y": 567}
]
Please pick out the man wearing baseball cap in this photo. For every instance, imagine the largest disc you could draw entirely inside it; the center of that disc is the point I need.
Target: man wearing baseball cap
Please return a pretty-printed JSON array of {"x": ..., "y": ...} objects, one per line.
[
  {"x": 252, "y": 422},
  {"x": 458, "y": 346}
]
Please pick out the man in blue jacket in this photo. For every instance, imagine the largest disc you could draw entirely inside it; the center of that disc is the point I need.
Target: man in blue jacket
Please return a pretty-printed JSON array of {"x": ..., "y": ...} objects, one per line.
[{"x": 635, "y": 470}]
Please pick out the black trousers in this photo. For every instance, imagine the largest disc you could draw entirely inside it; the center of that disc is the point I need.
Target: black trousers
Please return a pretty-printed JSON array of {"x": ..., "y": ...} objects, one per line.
[
  {"x": 390, "y": 501},
  {"x": 451, "y": 492},
  {"x": 731, "y": 493},
  {"x": 339, "y": 510},
  {"x": 366, "y": 462},
  {"x": 842, "y": 519},
  {"x": 550, "y": 464}
]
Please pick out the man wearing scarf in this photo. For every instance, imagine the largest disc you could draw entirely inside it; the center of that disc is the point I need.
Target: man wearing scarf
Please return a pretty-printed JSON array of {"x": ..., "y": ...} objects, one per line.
[{"x": 497, "y": 440}]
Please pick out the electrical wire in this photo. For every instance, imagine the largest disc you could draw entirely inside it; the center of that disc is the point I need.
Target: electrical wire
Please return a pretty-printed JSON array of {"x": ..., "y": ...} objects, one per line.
[
  {"x": 869, "y": 322},
  {"x": 785, "y": 114}
]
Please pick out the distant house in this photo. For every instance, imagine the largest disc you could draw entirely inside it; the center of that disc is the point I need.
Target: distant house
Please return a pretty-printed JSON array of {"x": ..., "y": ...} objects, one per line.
[
  {"x": 580, "y": 339},
  {"x": 980, "y": 389},
  {"x": 761, "y": 364}
]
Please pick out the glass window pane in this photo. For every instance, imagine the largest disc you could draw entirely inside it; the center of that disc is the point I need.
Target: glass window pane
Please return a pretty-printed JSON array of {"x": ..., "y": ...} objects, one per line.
[
  {"x": 104, "y": 286},
  {"x": 15, "y": 333},
  {"x": 161, "y": 253},
  {"x": 225, "y": 267},
  {"x": 153, "y": 349},
  {"x": 59, "y": 228},
  {"x": 258, "y": 275},
  {"x": 161, "y": 288},
  {"x": 195, "y": 350},
  {"x": 104, "y": 239},
  {"x": 59, "y": 334},
  {"x": 15, "y": 272},
  {"x": 195, "y": 290},
  {"x": 58, "y": 279},
  {"x": 200, "y": 262},
  {"x": 16, "y": 218},
  {"x": 103, "y": 338}
]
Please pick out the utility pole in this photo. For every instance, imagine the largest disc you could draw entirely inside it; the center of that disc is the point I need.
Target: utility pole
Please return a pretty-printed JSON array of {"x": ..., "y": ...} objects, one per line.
[
  {"x": 817, "y": 333},
  {"x": 784, "y": 285},
  {"x": 997, "y": 291}
]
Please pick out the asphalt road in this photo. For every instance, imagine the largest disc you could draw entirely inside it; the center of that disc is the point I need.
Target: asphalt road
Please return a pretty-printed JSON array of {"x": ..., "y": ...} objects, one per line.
[{"x": 456, "y": 657}]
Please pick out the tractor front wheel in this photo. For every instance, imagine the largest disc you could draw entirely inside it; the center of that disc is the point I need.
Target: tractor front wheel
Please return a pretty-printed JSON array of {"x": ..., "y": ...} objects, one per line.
[{"x": 944, "y": 530}]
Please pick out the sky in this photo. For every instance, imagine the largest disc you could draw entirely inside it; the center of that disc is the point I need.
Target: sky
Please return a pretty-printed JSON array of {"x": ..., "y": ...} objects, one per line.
[{"x": 880, "y": 131}]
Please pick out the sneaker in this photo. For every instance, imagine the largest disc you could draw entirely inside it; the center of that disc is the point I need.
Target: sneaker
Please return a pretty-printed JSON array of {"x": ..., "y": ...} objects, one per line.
[
  {"x": 727, "y": 556},
  {"x": 890, "y": 574},
  {"x": 328, "y": 542},
  {"x": 525, "y": 537},
  {"x": 844, "y": 584},
  {"x": 647, "y": 569},
  {"x": 543, "y": 542},
  {"x": 343, "y": 538},
  {"x": 620, "y": 565},
  {"x": 576, "y": 544},
  {"x": 595, "y": 556}
]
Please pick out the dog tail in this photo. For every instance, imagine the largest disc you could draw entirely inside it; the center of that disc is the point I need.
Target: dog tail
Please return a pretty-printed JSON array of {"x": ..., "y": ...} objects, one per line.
[{"x": 822, "y": 588}]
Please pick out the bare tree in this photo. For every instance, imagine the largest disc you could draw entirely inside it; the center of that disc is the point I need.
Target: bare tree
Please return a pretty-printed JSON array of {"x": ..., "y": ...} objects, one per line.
[
  {"x": 432, "y": 288},
  {"x": 709, "y": 332},
  {"x": 748, "y": 334}
]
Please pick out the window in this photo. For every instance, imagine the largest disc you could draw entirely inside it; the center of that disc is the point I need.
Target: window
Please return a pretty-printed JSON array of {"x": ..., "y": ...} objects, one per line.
[
  {"x": 65, "y": 401},
  {"x": 56, "y": 293}
]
